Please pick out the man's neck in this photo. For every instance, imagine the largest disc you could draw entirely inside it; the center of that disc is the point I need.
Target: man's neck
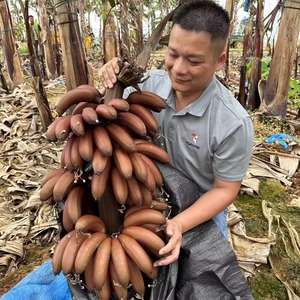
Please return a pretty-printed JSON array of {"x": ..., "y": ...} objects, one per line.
[{"x": 182, "y": 100}]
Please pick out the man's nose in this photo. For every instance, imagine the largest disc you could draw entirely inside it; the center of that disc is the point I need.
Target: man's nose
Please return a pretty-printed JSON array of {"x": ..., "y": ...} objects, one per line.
[{"x": 180, "y": 66}]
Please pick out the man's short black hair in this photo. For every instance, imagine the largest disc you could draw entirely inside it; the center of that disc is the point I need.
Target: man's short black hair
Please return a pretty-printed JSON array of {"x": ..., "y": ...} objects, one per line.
[{"x": 203, "y": 16}]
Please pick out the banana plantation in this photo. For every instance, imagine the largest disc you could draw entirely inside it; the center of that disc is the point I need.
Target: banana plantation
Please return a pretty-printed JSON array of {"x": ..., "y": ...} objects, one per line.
[{"x": 76, "y": 167}]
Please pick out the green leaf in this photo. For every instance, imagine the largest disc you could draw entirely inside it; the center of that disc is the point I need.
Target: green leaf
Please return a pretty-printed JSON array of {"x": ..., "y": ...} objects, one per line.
[{"x": 294, "y": 90}]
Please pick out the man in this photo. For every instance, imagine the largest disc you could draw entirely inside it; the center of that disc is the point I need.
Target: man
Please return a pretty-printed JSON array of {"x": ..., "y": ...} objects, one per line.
[
  {"x": 206, "y": 132},
  {"x": 35, "y": 31}
]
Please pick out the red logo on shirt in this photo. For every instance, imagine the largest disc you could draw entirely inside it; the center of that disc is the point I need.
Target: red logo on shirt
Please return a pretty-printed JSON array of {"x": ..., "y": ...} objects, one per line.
[{"x": 195, "y": 137}]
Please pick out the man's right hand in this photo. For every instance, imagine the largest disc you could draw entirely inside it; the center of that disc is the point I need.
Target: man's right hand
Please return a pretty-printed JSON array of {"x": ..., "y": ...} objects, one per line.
[{"x": 107, "y": 73}]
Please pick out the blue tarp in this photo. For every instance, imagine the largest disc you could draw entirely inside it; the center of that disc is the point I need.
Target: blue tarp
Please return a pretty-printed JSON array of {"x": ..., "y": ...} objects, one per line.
[
  {"x": 282, "y": 139},
  {"x": 247, "y": 5},
  {"x": 41, "y": 284}
]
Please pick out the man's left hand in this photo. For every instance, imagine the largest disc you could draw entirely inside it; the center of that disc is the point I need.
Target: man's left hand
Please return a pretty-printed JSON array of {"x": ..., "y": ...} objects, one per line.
[{"x": 171, "y": 251}]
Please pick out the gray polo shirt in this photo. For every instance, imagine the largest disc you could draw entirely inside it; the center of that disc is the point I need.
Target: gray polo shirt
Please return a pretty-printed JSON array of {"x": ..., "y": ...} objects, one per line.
[{"x": 212, "y": 137}]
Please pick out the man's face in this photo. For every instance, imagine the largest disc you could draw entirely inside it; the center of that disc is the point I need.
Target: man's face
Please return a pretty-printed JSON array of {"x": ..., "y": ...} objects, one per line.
[
  {"x": 191, "y": 60},
  {"x": 31, "y": 20}
]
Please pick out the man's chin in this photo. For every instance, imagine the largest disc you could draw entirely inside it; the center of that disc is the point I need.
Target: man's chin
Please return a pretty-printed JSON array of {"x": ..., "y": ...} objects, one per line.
[{"x": 181, "y": 88}]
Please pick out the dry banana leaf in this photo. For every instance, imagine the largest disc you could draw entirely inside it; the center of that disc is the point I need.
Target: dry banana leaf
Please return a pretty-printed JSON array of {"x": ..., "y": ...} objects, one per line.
[
  {"x": 25, "y": 157},
  {"x": 13, "y": 247},
  {"x": 281, "y": 277},
  {"x": 296, "y": 150},
  {"x": 39, "y": 229},
  {"x": 250, "y": 251},
  {"x": 16, "y": 229},
  {"x": 260, "y": 169},
  {"x": 295, "y": 201},
  {"x": 6, "y": 259},
  {"x": 250, "y": 186},
  {"x": 288, "y": 163},
  {"x": 294, "y": 236},
  {"x": 292, "y": 243},
  {"x": 270, "y": 164}
]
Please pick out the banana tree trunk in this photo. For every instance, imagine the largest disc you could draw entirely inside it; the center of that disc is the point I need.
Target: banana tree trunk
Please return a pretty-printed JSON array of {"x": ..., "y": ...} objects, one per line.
[
  {"x": 255, "y": 76},
  {"x": 246, "y": 53},
  {"x": 275, "y": 94},
  {"x": 110, "y": 43},
  {"x": 137, "y": 18},
  {"x": 243, "y": 71},
  {"x": 85, "y": 30},
  {"x": 49, "y": 55},
  {"x": 125, "y": 42},
  {"x": 230, "y": 10},
  {"x": 56, "y": 48},
  {"x": 74, "y": 62},
  {"x": 11, "y": 55},
  {"x": 38, "y": 87},
  {"x": 297, "y": 60},
  {"x": 3, "y": 80}
]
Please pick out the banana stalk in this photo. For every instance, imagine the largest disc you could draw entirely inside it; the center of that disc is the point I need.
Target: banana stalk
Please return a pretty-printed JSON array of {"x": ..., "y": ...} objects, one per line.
[
  {"x": 108, "y": 211},
  {"x": 130, "y": 75}
]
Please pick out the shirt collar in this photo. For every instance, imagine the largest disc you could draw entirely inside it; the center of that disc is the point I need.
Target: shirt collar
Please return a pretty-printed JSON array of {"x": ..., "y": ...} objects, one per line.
[{"x": 199, "y": 106}]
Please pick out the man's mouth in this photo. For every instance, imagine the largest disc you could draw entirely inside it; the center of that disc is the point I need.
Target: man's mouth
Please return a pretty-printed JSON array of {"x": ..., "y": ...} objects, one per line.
[{"x": 179, "y": 80}]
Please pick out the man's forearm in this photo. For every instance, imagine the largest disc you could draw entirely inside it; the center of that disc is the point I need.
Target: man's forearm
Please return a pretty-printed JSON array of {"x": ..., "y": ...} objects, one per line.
[{"x": 208, "y": 206}]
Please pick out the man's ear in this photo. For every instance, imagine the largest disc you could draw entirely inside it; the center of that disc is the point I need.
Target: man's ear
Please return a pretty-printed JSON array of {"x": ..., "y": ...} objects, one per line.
[{"x": 221, "y": 61}]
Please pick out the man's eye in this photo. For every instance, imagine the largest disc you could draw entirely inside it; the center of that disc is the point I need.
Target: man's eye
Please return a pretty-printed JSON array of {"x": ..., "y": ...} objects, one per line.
[{"x": 194, "y": 63}]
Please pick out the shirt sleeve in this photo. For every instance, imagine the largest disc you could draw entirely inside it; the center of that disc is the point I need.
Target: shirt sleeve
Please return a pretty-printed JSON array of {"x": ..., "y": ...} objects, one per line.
[{"x": 231, "y": 160}]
